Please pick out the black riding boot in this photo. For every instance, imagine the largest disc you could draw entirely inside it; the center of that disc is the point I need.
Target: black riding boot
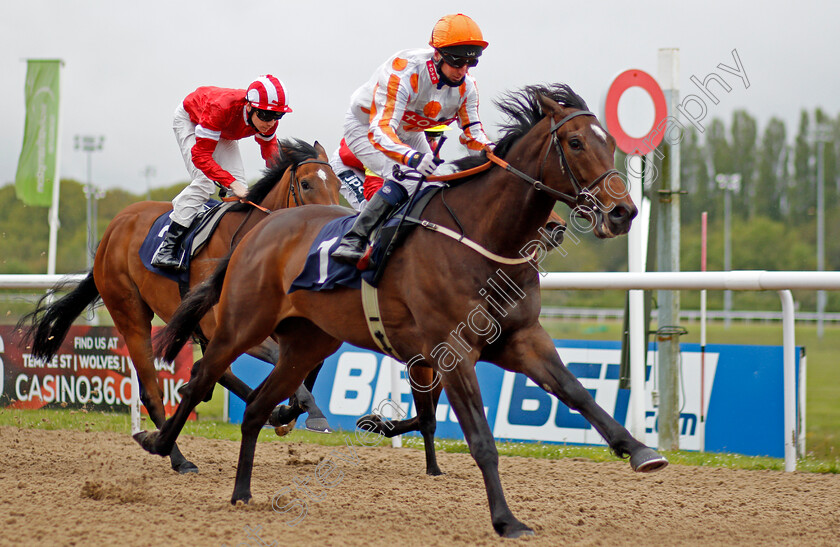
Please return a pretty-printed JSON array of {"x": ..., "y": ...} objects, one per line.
[
  {"x": 354, "y": 243},
  {"x": 166, "y": 256}
]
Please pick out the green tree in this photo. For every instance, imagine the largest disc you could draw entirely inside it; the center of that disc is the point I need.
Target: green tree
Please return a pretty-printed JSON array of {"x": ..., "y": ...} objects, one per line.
[
  {"x": 772, "y": 170},
  {"x": 744, "y": 147},
  {"x": 802, "y": 196}
]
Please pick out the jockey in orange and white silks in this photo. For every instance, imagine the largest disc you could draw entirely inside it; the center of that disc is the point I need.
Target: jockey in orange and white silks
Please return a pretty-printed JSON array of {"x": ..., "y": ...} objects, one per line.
[
  {"x": 208, "y": 124},
  {"x": 412, "y": 91}
]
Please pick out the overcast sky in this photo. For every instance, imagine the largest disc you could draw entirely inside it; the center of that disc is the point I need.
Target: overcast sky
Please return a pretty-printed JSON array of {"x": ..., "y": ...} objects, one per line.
[{"x": 127, "y": 65}]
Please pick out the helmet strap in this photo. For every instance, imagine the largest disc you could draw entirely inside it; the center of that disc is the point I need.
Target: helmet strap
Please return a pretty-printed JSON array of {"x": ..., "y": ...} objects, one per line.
[{"x": 442, "y": 77}]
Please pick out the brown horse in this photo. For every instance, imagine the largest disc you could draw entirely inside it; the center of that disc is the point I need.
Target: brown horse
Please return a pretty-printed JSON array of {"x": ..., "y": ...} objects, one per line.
[
  {"x": 433, "y": 299},
  {"x": 132, "y": 294}
]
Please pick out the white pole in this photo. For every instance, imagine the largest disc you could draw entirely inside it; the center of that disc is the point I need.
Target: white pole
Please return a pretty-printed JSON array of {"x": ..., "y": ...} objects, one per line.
[
  {"x": 789, "y": 379},
  {"x": 703, "y": 240},
  {"x": 225, "y": 405},
  {"x": 396, "y": 440},
  {"x": 636, "y": 308},
  {"x": 53, "y": 214},
  {"x": 135, "y": 402}
]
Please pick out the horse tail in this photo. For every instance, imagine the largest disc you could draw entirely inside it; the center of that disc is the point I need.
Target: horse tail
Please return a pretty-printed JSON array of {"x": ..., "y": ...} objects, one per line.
[
  {"x": 194, "y": 306},
  {"x": 47, "y": 326}
]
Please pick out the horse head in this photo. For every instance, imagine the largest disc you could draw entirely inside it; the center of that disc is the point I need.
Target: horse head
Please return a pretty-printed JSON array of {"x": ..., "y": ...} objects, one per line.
[
  {"x": 579, "y": 166},
  {"x": 299, "y": 175}
]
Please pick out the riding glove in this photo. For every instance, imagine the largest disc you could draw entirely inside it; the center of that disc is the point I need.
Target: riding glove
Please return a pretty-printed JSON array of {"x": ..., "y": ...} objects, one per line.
[
  {"x": 240, "y": 190},
  {"x": 423, "y": 163}
]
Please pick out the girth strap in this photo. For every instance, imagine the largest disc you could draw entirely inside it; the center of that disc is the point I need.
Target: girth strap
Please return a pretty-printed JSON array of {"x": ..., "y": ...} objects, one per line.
[{"x": 370, "y": 305}]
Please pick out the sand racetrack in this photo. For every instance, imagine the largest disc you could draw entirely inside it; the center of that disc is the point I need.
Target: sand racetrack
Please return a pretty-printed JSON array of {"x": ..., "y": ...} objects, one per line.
[{"x": 76, "y": 488}]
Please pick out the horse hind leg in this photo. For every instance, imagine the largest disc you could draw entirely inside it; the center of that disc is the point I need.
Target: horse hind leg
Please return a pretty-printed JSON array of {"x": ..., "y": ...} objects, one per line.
[
  {"x": 284, "y": 417},
  {"x": 425, "y": 388}
]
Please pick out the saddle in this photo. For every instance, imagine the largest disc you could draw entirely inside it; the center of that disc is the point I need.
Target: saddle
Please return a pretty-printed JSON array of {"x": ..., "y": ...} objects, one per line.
[
  {"x": 198, "y": 234},
  {"x": 321, "y": 272}
]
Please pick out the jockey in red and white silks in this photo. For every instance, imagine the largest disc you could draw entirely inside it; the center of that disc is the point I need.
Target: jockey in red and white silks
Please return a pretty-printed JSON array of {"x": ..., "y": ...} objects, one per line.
[{"x": 207, "y": 125}]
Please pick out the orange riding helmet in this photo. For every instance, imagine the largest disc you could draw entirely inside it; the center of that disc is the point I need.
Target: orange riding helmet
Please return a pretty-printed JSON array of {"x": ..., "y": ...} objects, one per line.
[{"x": 458, "y": 35}]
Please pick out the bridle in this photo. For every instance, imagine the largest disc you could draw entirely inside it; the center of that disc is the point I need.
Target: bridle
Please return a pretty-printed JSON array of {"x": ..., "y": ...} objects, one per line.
[
  {"x": 582, "y": 193},
  {"x": 294, "y": 185},
  {"x": 292, "y": 194}
]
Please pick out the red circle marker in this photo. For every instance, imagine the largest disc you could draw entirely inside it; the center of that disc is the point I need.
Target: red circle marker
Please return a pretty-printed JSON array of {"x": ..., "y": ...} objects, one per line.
[{"x": 623, "y": 82}]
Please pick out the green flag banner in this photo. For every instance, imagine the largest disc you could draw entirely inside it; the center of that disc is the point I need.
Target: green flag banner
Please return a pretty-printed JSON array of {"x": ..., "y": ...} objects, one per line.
[{"x": 37, "y": 166}]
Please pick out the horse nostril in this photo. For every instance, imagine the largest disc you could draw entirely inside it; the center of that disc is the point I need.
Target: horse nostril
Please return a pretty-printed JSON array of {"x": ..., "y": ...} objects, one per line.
[{"x": 622, "y": 213}]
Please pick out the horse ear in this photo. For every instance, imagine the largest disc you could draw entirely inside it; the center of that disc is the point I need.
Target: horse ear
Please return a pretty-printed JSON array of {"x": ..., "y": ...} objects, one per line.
[
  {"x": 321, "y": 152},
  {"x": 548, "y": 105}
]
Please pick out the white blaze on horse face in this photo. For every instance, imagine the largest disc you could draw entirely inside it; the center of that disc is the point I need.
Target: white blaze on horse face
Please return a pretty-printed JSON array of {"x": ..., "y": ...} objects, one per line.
[
  {"x": 600, "y": 132},
  {"x": 322, "y": 175}
]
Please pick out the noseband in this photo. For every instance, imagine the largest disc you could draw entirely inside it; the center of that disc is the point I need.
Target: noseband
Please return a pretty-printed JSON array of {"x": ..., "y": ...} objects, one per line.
[{"x": 294, "y": 192}]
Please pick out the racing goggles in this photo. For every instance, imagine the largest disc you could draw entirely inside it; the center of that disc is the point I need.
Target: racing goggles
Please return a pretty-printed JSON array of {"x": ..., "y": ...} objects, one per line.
[
  {"x": 457, "y": 61},
  {"x": 268, "y": 115}
]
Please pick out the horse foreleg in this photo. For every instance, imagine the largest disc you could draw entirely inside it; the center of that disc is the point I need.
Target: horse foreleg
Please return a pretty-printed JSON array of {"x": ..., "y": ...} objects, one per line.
[
  {"x": 303, "y": 345},
  {"x": 139, "y": 345},
  {"x": 532, "y": 353},
  {"x": 461, "y": 385},
  {"x": 210, "y": 368}
]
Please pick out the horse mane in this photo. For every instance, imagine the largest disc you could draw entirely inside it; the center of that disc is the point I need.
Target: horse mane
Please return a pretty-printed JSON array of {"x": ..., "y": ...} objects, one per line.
[
  {"x": 523, "y": 111},
  {"x": 291, "y": 152}
]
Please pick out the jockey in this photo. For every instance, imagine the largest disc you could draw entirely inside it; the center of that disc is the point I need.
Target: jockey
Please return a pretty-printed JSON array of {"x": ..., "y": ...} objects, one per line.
[
  {"x": 357, "y": 181},
  {"x": 207, "y": 125},
  {"x": 414, "y": 90}
]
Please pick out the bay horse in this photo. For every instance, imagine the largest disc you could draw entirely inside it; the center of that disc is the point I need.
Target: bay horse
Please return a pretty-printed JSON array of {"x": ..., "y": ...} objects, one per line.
[
  {"x": 299, "y": 175},
  {"x": 432, "y": 298}
]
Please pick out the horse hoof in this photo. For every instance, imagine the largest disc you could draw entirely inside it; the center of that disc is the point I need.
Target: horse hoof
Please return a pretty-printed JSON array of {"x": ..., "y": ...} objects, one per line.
[
  {"x": 318, "y": 425},
  {"x": 285, "y": 429},
  {"x": 517, "y": 531},
  {"x": 372, "y": 423},
  {"x": 647, "y": 460},
  {"x": 283, "y": 414},
  {"x": 186, "y": 467},
  {"x": 436, "y": 472},
  {"x": 240, "y": 499},
  {"x": 146, "y": 440}
]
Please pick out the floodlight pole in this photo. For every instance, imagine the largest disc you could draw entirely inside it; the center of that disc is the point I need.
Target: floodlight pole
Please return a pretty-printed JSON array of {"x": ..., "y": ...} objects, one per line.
[
  {"x": 90, "y": 144},
  {"x": 728, "y": 183},
  {"x": 822, "y": 134}
]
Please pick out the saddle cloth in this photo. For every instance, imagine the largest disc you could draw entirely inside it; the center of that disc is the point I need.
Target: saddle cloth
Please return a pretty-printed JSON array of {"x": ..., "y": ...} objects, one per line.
[
  {"x": 197, "y": 236},
  {"x": 321, "y": 272}
]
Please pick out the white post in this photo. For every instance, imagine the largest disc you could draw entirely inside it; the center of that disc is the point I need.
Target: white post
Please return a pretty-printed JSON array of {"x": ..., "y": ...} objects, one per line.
[
  {"x": 789, "y": 379},
  {"x": 135, "y": 402},
  {"x": 635, "y": 257},
  {"x": 703, "y": 241},
  {"x": 396, "y": 440},
  {"x": 56, "y": 192}
]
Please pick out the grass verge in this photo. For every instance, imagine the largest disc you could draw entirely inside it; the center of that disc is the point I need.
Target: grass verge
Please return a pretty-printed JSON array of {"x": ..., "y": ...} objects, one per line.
[{"x": 81, "y": 420}]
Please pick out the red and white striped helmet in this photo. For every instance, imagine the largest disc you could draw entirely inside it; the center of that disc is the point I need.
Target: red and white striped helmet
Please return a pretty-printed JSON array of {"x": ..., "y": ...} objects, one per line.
[{"x": 267, "y": 93}]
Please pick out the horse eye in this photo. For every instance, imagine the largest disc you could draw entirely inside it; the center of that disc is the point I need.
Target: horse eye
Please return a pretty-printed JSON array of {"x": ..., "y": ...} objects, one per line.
[
  {"x": 576, "y": 144},
  {"x": 304, "y": 185}
]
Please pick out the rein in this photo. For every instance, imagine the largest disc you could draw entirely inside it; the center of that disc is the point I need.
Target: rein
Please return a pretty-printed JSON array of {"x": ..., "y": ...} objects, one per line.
[
  {"x": 582, "y": 194},
  {"x": 292, "y": 193}
]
